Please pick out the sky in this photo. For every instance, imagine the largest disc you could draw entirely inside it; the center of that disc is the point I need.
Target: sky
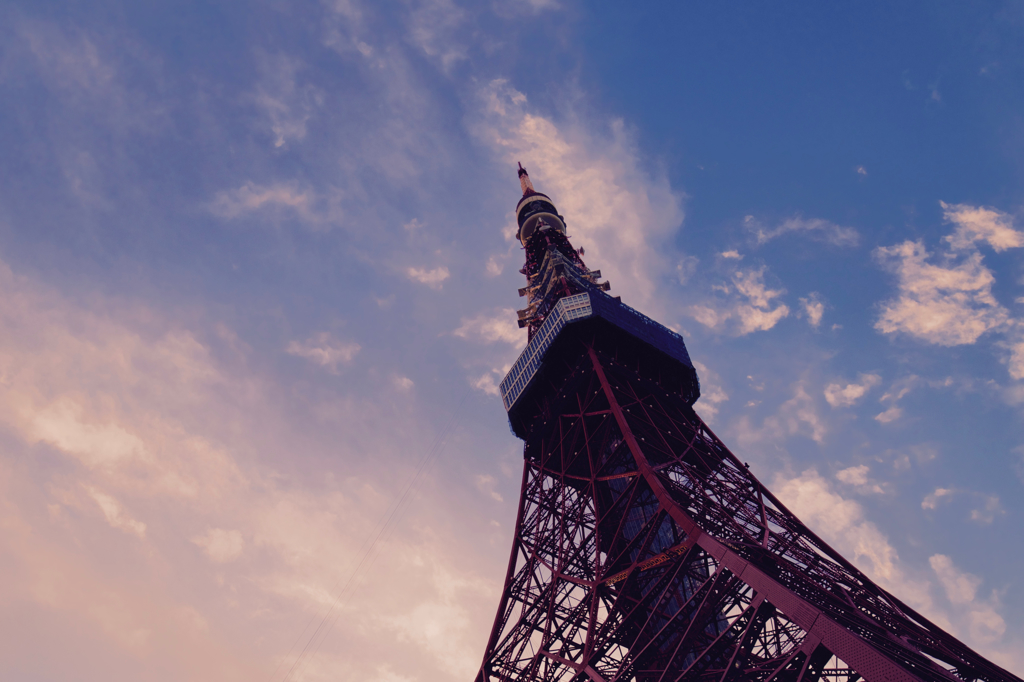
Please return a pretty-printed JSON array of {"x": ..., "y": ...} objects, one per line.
[{"x": 259, "y": 279}]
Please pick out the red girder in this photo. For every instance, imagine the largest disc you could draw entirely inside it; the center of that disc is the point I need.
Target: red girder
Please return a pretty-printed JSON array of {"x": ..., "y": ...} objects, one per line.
[{"x": 645, "y": 550}]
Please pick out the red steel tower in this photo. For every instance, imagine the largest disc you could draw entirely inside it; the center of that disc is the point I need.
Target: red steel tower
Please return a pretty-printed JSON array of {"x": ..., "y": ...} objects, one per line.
[{"x": 644, "y": 549}]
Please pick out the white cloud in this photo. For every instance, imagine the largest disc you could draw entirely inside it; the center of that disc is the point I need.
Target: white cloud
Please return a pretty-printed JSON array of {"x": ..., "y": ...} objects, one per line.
[
  {"x": 287, "y": 104},
  {"x": 498, "y": 326},
  {"x": 1015, "y": 361},
  {"x": 750, "y": 308},
  {"x": 435, "y": 26},
  {"x": 988, "y": 511},
  {"x": 274, "y": 198},
  {"x": 983, "y": 620},
  {"x": 115, "y": 514},
  {"x": 485, "y": 483},
  {"x": 796, "y": 416},
  {"x": 857, "y": 475},
  {"x": 488, "y": 383},
  {"x": 985, "y": 513},
  {"x": 960, "y": 587},
  {"x": 732, "y": 255},
  {"x": 838, "y": 395},
  {"x": 841, "y": 522},
  {"x": 861, "y": 171},
  {"x": 711, "y": 392},
  {"x": 63, "y": 425},
  {"x": 324, "y": 350},
  {"x": 889, "y": 415},
  {"x": 221, "y": 546},
  {"x": 932, "y": 500},
  {"x": 403, "y": 383},
  {"x": 815, "y": 228},
  {"x": 493, "y": 267},
  {"x": 686, "y": 268},
  {"x": 974, "y": 224},
  {"x": 947, "y": 304},
  {"x": 858, "y": 478},
  {"x": 432, "y": 278},
  {"x": 813, "y": 308}
]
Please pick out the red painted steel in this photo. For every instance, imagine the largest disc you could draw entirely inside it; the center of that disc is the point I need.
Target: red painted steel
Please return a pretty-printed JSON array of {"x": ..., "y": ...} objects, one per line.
[
  {"x": 721, "y": 582},
  {"x": 645, "y": 550}
]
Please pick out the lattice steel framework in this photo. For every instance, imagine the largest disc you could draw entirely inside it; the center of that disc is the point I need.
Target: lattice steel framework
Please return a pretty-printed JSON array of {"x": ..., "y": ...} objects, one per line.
[{"x": 645, "y": 550}]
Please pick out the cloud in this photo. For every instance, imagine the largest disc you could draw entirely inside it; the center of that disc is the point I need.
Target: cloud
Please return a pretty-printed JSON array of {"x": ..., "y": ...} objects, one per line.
[
  {"x": 838, "y": 395},
  {"x": 63, "y": 425},
  {"x": 711, "y": 392},
  {"x": 857, "y": 477},
  {"x": 891, "y": 414},
  {"x": 961, "y": 588},
  {"x": 978, "y": 224},
  {"x": 485, "y": 483},
  {"x": 932, "y": 500},
  {"x": 815, "y": 228},
  {"x": 493, "y": 267},
  {"x": 984, "y": 514},
  {"x": 115, "y": 514},
  {"x": 949, "y": 304},
  {"x": 274, "y": 199},
  {"x": 324, "y": 350},
  {"x": 731, "y": 255},
  {"x": 114, "y": 416},
  {"x": 221, "y": 546},
  {"x": 991, "y": 507},
  {"x": 287, "y": 105},
  {"x": 490, "y": 327},
  {"x": 432, "y": 278},
  {"x": 1015, "y": 361},
  {"x": 488, "y": 383},
  {"x": 796, "y": 416},
  {"x": 842, "y": 524},
  {"x": 750, "y": 308},
  {"x": 813, "y": 308},
  {"x": 983, "y": 620}
]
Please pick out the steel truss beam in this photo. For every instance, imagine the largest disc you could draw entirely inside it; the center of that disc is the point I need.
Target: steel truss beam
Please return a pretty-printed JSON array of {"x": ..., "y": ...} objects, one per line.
[{"x": 645, "y": 550}]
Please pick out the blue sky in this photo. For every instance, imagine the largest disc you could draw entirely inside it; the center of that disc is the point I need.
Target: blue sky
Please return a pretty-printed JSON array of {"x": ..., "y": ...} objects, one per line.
[{"x": 258, "y": 265}]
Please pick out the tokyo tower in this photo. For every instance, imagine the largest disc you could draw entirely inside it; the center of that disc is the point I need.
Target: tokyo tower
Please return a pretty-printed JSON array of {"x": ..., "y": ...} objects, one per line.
[{"x": 644, "y": 549}]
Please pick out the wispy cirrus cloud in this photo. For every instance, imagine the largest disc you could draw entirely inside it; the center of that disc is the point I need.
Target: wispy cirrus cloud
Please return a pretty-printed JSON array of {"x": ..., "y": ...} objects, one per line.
[
  {"x": 138, "y": 442},
  {"x": 432, "y": 277},
  {"x": 324, "y": 350},
  {"x": 277, "y": 200},
  {"x": 814, "y": 228},
  {"x": 985, "y": 510},
  {"x": 287, "y": 104}
]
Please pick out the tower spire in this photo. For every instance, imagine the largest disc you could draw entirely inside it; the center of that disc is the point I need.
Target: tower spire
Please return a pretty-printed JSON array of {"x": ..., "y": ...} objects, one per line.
[
  {"x": 554, "y": 269},
  {"x": 524, "y": 181}
]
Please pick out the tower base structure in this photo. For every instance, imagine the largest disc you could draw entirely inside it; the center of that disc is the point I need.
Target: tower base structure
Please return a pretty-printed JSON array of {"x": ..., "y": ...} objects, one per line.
[{"x": 645, "y": 550}]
